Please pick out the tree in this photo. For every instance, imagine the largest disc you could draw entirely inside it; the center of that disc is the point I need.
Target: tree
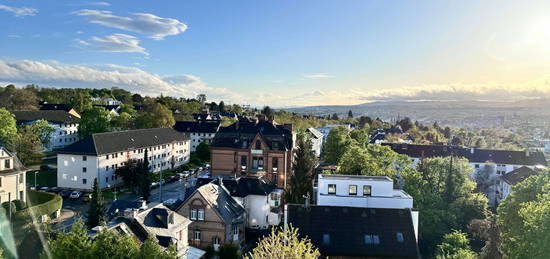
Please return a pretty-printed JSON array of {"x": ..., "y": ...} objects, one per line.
[
  {"x": 364, "y": 122},
  {"x": 43, "y": 131},
  {"x": 151, "y": 249},
  {"x": 67, "y": 245},
  {"x": 96, "y": 213},
  {"x": 268, "y": 112},
  {"x": 123, "y": 121},
  {"x": 338, "y": 141},
  {"x": 489, "y": 231},
  {"x": 137, "y": 99},
  {"x": 455, "y": 245},
  {"x": 221, "y": 106},
  {"x": 229, "y": 251},
  {"x": 24, "y": 99},
  {"x": 28, "y": 146},
  {"x": 284, "y": 245},
  {"x": 201, "y": 98},
  {"x": 302, "y": 176},
  {"x": 128, "y": 173},
  {"x": 203, "y": 151},
  {"x": 8, "y": 128},
  {"x": 485, "y": 178},
  {"x": 350, "y": 114},
  {"x": 155, "y": 115},
  {"x": 361, "y": 136},
  {"x": 94, "y": 120},
  {"x": 524, "y": 216},
  {"x": 447, "y": 133},
  {"x": 112, "y": 244},
  {"x": 145, "y": 178},
  {"x": 405, "y": 124},
  {"x": 334, "y": 117}
]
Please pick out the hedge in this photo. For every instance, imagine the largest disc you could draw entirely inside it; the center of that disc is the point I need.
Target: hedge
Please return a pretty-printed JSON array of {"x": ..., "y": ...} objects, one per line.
[{"x": 43, "y": 203}]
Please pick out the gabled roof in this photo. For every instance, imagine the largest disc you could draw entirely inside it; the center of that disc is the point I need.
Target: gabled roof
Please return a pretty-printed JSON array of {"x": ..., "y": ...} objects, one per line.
[
  {"x": 245, "y": 186},
  {"x": 219, "y": 199},
  {"x": 108, "y": 107},
  {"x": 162, "y": 222},
  {"x": 241, "y": 134},
  {"x": 346, "y": 227},
  {"x": 54, "y": 116},
  {"x": 197, "y": 126},
  {"x": 518, "y": 175},
  {"x": 474, "y": 155},
  {"x": 110, "y": 142},
  {"x": 55, "y": 106},
  {"x": 316, "y": 134}
]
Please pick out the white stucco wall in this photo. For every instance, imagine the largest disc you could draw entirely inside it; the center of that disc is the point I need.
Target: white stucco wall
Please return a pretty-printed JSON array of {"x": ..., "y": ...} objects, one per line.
[{"x": 197, "y": 138}]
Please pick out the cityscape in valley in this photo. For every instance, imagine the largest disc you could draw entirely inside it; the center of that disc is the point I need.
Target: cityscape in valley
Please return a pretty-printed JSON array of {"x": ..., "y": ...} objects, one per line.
[{"x": 326, "y": 130}]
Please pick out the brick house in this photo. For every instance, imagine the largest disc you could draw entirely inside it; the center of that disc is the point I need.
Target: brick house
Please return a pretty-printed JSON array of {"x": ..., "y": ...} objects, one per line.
[
  {"x": 216, "y": 217},
  {"x": 259, "y": 148}
]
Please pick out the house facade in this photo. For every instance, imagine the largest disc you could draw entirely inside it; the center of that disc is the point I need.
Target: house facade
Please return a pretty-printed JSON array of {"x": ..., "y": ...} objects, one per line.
[
  {"x": 64, "y": 125},
  {"x": 216, "y": 217},
  {"x": 511, "y": 179},
  {"x": 316, "y": 140},
  {"x": 99, "y": 155},
  {"x": 12, "y": 177},
  {"x": 59, "y": 107},
  {"x": 198, "y": 131},
  {"x": 259, "y": 148}
]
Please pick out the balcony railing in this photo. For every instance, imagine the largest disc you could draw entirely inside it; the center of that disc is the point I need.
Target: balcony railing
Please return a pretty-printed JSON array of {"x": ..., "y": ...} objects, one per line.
[{"x": 256, "y": 152}]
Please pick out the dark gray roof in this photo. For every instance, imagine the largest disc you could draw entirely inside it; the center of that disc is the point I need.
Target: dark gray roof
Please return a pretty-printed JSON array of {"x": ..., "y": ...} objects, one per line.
[
  {"x": 518, "y": 175},
  {"x": 347, "y": 233},
  {"x": 477, "y": 156},
  {"x": 55, "y": 106},
  {"x": 54, "y": 116},
  {"x": 240, "y": 135},
  {"x": 245, "y": 186},
  {"x": 197, "y": 126},
  {"x": 229, "y": 209},
  {"x": 110, "y": 142}
]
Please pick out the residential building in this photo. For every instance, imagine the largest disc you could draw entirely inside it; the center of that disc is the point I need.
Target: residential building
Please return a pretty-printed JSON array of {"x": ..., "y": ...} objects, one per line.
[
  {"x": 107, "y": 101},
  {"x": 59, "y": 107},
  {"x": 217, "y": 217},
  {"x": 12, "y": 177},
  {"x": 112, "y": 109},
  {"x": 316, "y": 140},
  {"x": 325, "y": 130},
  {"x": 356, "y": 232},
  {"x": 64, "y": 125},
  {"x": 199, "y": 131},
  {"x": 259, "y": 148},
  {"x": 512, "y": 178},
  {"x": 379, "y": 136},
  {"x": 99, "y": 155}
]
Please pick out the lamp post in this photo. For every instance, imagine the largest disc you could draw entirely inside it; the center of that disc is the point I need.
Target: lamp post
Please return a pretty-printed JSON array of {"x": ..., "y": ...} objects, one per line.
[{"x": 35, "y": 173}]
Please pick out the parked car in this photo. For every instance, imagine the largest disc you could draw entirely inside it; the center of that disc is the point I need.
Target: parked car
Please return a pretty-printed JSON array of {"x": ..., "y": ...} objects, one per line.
[
  {"x": 75, "y": 195},
  {"x": 87, "y": 197},
  {"x": 65, "y": 193},
  {"x": 161, "y": 182},
  {"x": 154, "y": 185},
  {"x": 46, "y": 167},
  {"x": 55, "y": 189},
  {"x": 171, "y": 178},
  {"x": 45, "y": 189}
]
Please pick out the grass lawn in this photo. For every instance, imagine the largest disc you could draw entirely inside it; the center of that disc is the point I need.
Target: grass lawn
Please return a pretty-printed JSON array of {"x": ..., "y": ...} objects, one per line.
[
  {"x": 43, "y": 178},
  {"x": 165, "y": 174}
]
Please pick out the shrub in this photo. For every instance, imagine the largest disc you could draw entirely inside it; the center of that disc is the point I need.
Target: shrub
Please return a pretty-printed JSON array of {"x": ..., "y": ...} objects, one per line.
[
  {"x": 42, "y": 203},
  {"x": 19, "y": 204}
]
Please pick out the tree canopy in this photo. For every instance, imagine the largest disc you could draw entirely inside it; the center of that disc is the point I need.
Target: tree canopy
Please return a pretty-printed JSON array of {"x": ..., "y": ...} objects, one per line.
[
  {"x": 8, "y": 128},
  {"x": 279, "y": 245},
  {"x": 300, "y": 182},
  {"x": 338, "y": 141},
  {"x": 94, "y": 120}
]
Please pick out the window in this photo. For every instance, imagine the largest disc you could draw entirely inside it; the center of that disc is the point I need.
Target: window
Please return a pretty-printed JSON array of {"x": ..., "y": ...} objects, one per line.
[
  {"x": 107, "y": 157},
  {"x": 21, "y": 178},
  {"x": 372, "y": 239},
  {"x": 84, "y": 158},
  {"x": 258, "y": 144},
  {"x": 376, "y": 239},
  {"x": 197, "y": 235},
  {"x": 216, "y": 240},
  {"x": 400, "y": 238},
  {"x": 21, "y": 195},
  {"x": 200, "y": 215},
  {"x": 368, "y": 239},
  {"x": 332, "y": 189},
  {"x": 106, "y": 179},
  {"x": 84, "y": 181},
  {"x": 0, "y": 181},
  {"x": 367, "y": 190},
  {"x": 326, "y": 239},
  {"x": 275, "y": 162},
  {"x": 235, "y": 229},
  {"x": 7, "y": 164},
  {"x": 84, "y": 169},
  {"x": 353, "y": 190},
  {"x": 193, "y": 214}
]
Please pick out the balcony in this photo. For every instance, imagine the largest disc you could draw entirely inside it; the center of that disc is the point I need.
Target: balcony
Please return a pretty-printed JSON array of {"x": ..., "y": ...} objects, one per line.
[{"x": 256, "y": 152}]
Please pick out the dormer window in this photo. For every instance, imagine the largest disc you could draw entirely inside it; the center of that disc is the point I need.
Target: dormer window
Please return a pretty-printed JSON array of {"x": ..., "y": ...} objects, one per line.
[{"x": 258, "y": 145}]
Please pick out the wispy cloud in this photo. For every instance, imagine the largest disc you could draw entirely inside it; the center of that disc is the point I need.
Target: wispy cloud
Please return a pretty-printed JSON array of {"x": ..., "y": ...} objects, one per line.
[
  {"x": 145, "y": 23},
  {"x": 14, "y": 36},
  {"x": 117, "y": 42},
  {"x": 91, "y": 3},
  {"x": 19, "y": 11},
  {"x": 317, "y": 76}
]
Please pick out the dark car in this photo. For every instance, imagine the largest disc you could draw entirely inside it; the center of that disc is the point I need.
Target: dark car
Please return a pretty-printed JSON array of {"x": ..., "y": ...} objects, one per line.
[
  {"x": 46, "y": 167},
  {"x": 65, "y": 193}
]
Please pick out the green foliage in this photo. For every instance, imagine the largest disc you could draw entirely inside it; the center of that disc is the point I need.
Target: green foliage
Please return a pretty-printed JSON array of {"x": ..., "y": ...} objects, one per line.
[
  {"x": 289, "y": 246},
  {"x": 524, "y": 216},
  {"x": 18, "y": 99},
  {"x": 229, "y": 251},
  {"x": 41, "y": 203},
  {"x": 128, "y": 173},
  {"x": 28, "y": 145},
  {"x": 96, "y": 213},
  {"x": 8, "y": 128},
  {"x": 455, "y": 245},
  {"x": 155, "y": 115},
  {"x": 488, "y": 230},
  {"x": 268, "y": 112},
  {"x": 111, "y": 244},
  {"x": 227, "y": 121},
  {"x": 43, "y": 131},
  {"x": 94, "y": 120},
  {"x": 67, "y": 245},
  {"x": 361, "y": 136},
  {"x": 123, "y": 121},
  {"x": 203, "y": 151},
  {"x": 144, "y": 177},
  {"x": 300, "y": 182},
  {"x": 338, "y": 141},
  {"x": 299, "y": 123}
]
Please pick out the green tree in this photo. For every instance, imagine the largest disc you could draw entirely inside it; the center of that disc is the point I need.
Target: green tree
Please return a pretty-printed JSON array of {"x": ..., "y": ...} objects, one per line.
[
  {"x": 203, "y": 151},
  {"x": 334, "y": 117},
  {"x": 155, "y": 115},
  {"x": 405, "y": 124},
  {"x": 361, "y": 136},
  {"x": 43, "y": 130},
  {"x": 8, "y": 128},
  {"x": 338, "y": 141},
  {"x": 221, "y": 106},
  {"x": 229, "y": 251},
  {"x": 281, "y": 245},
  {"x": 301, "y": 180},
  {"x": 268, "y": 112},
  {"x": 128, "y": 173},
  {"x": 28, "y": 146},
  {"x": 145, "y": 178},
  {"x": 94, "y": 120},
  {"x": 447, "y": 133},
  {"x": 124, "y": 121},
  {"x": 96, "y": 213},
  {"x": 455, "y": 245},
  {"x": 111, "y": 244},
  {"x": 524, "y": 216},
  {"x": 67, "y": 245},
  {"x": 151, "y": 249},
  {"x": 489, "y": 231},
  {"x": 350, "y": 114}
]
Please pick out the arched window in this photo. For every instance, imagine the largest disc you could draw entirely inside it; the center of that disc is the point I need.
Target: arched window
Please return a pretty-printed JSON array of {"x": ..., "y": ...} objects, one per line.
[{"x": 258, "y": 144}]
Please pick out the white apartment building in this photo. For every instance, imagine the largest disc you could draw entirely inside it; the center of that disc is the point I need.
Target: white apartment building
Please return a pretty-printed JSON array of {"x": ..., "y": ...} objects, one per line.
[
  {"x": 199, "y": 131},
  {"x": 316, "y": 140},
  {"x": 12, "y": 177},
  {"x": 64, "y": 125},
  {"x": 99, "y": 155},
  {"x": 327, "y": 128}
]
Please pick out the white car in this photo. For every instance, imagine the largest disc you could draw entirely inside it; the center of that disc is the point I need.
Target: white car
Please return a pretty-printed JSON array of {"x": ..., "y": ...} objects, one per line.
[{"x": 75, "y": 195}]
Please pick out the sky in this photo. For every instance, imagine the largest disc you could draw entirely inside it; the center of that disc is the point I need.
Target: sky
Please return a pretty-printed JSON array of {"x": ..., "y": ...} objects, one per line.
[{"x": 282, "y": 53}]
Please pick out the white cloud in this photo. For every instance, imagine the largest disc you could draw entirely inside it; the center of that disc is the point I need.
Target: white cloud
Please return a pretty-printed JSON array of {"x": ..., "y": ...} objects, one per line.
[
  {"x": 317, "y": 76},
  {"x": 55, "y": 74},
  {"x": 97, "y": 3},
  {"x": 14, "y": 36},
  {"x": 145, "y": 23},
  {"x": 117, "y": 42},
  {"x": 19, "y": 11}
]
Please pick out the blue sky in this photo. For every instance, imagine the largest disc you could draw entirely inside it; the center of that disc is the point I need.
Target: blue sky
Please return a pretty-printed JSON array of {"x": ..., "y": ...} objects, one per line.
[{"x": 281, "y": 53}]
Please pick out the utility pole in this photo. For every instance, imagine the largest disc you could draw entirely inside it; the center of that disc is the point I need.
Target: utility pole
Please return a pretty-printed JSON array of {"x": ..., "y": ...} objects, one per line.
[{"x": 160, "y": 186}]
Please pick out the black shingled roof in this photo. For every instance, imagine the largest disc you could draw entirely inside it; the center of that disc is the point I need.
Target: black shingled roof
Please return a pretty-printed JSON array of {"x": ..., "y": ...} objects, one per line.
[
  {"x": 477, "y": 156},
  {"x": 518, "y": 175},
  {"x": 347, "y": 233},
  {"x": 197, "y": 126},
  {"x": 245, "y": 186},
  {"x": 240, "y": 135},
  {"x": 55, "y": 106},
  {"x": 54, "y": 116},
  {"x": 110, "y": 142}
]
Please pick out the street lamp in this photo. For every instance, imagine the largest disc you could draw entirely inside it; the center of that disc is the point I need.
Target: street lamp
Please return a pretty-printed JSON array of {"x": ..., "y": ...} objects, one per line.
[{"x": 35, "y": 173}]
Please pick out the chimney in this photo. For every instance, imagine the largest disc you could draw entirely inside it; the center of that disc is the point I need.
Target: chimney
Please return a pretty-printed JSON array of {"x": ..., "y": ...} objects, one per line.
[
  {"x": 171, "y": 218},
  {"x": 472, "y": 149}
]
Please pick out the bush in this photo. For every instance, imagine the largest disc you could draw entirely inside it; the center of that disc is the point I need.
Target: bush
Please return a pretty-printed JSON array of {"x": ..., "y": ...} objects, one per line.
[
  {"x": 19, "y": 204},
  {"x": 6, "y": 207},
  {"x": 43, "y": 203}
]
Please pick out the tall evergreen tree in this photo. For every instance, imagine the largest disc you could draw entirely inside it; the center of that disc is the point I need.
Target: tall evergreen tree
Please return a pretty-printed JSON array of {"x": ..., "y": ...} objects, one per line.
[
  {"x": 350, "y": 114},
  {"x": 302, "y": 177},
  {"x": 221, "y": 106},
  {"x": 145, "y": 178},
  {"x": 96, "y": 214}
]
